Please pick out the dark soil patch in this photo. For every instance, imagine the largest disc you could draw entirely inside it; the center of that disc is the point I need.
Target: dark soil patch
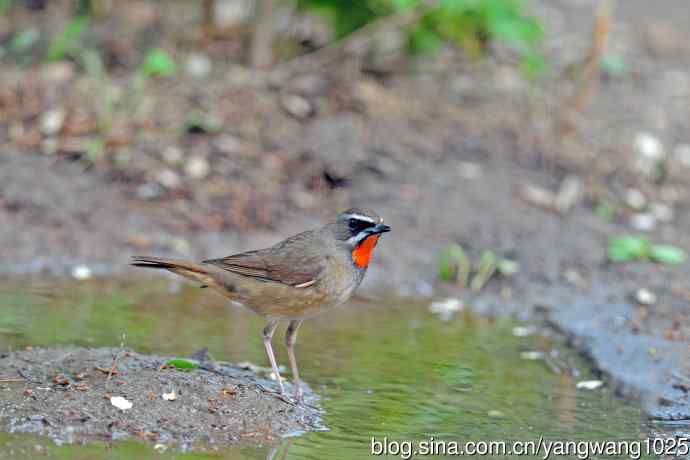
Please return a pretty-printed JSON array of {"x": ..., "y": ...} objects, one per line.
[{"x": 67, "y": 398}]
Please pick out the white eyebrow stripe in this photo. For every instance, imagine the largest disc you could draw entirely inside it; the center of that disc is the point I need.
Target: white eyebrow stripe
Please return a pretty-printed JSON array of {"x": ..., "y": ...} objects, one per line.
[{"x": 361, "y": 217}]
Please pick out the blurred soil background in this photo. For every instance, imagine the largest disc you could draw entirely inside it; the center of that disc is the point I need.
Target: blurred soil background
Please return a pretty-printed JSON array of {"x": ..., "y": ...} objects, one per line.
[{"x": 164, "y": 128}]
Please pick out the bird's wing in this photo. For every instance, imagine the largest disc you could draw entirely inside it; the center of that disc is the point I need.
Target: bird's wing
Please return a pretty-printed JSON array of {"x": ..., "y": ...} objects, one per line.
[{"x": 296, "y": 261}]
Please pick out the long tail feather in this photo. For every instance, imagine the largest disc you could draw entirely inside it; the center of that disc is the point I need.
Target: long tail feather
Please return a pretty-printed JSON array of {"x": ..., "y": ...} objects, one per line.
[{"x": 168, "y": 264}]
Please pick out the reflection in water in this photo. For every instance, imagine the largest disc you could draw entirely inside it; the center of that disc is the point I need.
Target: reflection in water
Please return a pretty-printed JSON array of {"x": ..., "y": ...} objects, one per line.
[
  {"x": 386, "y": 370},
  {"x": 282, "y": 449}
]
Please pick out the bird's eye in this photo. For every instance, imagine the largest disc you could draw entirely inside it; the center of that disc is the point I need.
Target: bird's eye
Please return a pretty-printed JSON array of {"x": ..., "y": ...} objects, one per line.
[{"x": 357, "y": 225}]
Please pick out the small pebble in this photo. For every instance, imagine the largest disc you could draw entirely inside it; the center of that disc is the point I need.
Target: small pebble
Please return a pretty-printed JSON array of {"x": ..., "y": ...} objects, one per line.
[
  {"x": 198, "y": 65},
  {"x": 228, "y": 144},
  {"x": 173, "y": 155},
  {"x": 574, "y": 277},
  {"x": 650, "y": 153},
  {"x": 569, "y": 194},
  {"x": 635, "y": 199},
  {"x": 662, "y": 211},
  {"x": 52, "y": 122},
  {"x": 446, "y": 309},
  {"x": 643, "y": 221},
  {"x": 179, "y": 245},
  {"x": 311, "y": 85},
  {"x": 81, "y": 272},
  {"x": 682, "y": 154},
  {"x": 121, "y": 403},
  {"x": 469, "y": 170},
  {"x": 645, "y": 297},
  {"x": 295, "y": 105},
  {"x": 532, "y": 355},
  {"x": 168, "y": 178},
  {"x": 197, "y": 167},
  {"x": 589, "y": 384},
  {"x": 538, "y": 196},
  {"x": 524, "y": 331},
  {"x": 169, "y": 396},
  {"x": 649, "y": 146}
]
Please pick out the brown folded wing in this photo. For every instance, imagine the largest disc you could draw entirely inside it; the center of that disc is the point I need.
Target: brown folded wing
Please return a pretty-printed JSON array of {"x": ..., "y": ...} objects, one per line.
[{"x": 294, "y": 261}]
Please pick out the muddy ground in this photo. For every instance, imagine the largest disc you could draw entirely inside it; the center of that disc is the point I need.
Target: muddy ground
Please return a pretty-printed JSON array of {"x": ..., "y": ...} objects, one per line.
[
  {"x": 66, "y": 395},
  {"x": 444, "y": 155}
]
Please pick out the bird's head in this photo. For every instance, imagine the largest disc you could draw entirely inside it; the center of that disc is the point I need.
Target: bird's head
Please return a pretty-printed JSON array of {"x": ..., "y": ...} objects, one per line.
[{"x": 359, "y": 230}]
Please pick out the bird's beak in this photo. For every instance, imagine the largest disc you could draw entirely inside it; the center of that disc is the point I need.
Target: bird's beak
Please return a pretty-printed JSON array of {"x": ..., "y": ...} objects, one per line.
[{"x": 380, "y": 228}]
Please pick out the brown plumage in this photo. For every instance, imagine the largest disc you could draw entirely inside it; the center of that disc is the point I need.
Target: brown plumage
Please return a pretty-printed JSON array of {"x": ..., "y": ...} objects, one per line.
[{"x": 301, "y": 276}]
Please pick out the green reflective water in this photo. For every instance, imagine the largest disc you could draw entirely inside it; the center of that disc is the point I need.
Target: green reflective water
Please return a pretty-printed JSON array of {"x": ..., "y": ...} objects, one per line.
[{"x": 385, "y": 369}]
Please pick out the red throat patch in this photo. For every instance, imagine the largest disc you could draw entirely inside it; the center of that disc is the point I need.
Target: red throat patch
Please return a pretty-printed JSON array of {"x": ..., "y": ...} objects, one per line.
[{"x": 362, "y": 253}]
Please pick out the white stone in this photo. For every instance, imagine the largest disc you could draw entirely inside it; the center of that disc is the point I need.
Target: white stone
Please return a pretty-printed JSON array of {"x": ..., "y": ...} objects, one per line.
[
  {"x": 81, "y": 272},
  {"x": 169, "y": 396},
  {"x": 635, "y": 199},
  {"x": 120, "y": 402},
  {"x": 52, "y": 122},
  {"x": 197, "y": 167},
  {"x": 168, "y": 178},
  {"x": 228, "y": 144},
  {"x": 643, "y": 221},
  {"x": 649, "y": 146},
  {"x": 662, "y": 211},
  {"x": 532, "y": 355},
  {"x": 295, "y": 105},
  {"x": 445, "y": 309},
  {"x": 589, "y": 384},
  {"x": 198, "y": 65},
  {"x": 645, "y": 297}
]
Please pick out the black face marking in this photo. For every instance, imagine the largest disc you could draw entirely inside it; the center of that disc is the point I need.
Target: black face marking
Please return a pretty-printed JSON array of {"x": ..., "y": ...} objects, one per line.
[{"x": 356, "y": 225}]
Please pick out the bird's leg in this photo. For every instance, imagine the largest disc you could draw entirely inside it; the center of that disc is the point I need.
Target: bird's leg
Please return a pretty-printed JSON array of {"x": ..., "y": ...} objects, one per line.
[
  {"x": 290, "y": 339},
  {"x": 267, "y": 335}
]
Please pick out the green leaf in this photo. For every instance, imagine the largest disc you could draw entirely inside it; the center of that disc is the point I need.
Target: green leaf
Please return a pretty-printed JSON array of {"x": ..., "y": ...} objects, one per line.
[
  {"x": 667, "y": 254},
  {"x": 628, "y": 248},
  {"x": 507, "y": 267},
  {"x": 68, "y": 39},
  {"x": 454, "y": 265},
  {"x": 182, "y": 364},
  {"x": 158, "y": 64},
  {"x": 400, "y": 5},
  {"x": 6, "y": 5},
  {"x": 485, "y": 270},
  {"x": 423, "y": 40}
]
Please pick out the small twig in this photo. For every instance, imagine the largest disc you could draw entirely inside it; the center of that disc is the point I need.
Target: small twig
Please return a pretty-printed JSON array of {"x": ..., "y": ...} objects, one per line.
[
  {"x": 112, "y": 369},
  {"x": 590, "y": 70},
  {"x": 13, "y": 380}
]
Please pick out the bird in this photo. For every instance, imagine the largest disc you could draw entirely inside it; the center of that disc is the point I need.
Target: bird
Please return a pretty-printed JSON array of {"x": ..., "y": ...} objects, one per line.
[{"x": 300, "y": 277}]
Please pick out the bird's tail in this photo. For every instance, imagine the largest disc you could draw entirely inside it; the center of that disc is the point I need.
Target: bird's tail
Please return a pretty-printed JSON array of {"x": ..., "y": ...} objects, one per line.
[{"x": 190, "y": 270}]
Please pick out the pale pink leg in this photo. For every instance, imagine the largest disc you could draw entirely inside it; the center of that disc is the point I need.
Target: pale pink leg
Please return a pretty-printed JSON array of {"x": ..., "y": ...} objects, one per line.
[
  {"x": 267, "y": 335},
  {"x": 290, "y": 339}
]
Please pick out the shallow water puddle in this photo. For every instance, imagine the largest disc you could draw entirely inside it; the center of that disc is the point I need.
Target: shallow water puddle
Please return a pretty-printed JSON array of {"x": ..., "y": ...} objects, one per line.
[{"x": 387, "y": 369}]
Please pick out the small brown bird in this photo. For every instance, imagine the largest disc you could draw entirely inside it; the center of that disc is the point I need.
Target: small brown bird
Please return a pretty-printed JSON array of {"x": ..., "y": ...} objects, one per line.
[{"x": 302, "y": 276}]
